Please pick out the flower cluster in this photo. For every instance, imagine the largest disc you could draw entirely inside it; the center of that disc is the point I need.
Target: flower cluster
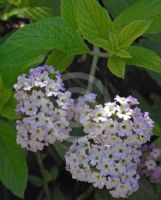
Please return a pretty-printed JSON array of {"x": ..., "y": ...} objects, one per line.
[
  {"x": 150, "y": 165},
  {"x": 45, "y": 107},
  {"x": 115, "y": 122},
  {"x": 109, "y": 155},
  {"x": 113, "y": 167}
]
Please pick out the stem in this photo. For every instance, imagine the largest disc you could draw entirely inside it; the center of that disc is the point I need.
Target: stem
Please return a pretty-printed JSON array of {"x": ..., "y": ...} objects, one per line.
[
  {"x": 93, "y": 68},
  {"x": 42, "y": 170},
  {"x": 86, "y": 194},
  {"x": 99, "y": 54},
  {"x": 54, "y": 155},
  {"x": 148, "y": 191}
]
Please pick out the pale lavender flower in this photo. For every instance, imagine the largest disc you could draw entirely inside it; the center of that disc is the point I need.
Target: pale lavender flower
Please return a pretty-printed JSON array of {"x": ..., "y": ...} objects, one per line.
[
  {"x": 40, "y": 99},
  {"x": 102, "y": 167}
]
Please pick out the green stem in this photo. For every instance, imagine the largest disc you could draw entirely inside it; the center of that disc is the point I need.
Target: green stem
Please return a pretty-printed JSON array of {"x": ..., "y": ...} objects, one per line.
[
  {"x": 42, "y": 170},
  {"x": 54, "y": 155},
  {"x": 86, "y": 194},
  {"x": 93, "y": 68}
]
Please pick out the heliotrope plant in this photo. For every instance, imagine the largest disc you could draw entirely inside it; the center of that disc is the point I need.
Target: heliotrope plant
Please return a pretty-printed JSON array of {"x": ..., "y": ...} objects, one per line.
[
  {"x": 56, "y": 41},
  {"x": 108, "y": 154}
]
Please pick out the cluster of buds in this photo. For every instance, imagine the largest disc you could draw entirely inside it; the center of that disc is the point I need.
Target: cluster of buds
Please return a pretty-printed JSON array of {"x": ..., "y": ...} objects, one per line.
[
  {"x": 45, "y": 107},
  {"x": 110, "y": 152},
  {"x": 150, "y": 165}
]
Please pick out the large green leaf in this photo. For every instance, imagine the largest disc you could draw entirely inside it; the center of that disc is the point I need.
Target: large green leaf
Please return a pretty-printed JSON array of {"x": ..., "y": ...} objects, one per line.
[
  {"x": 143, "y": 9},
  {"x": 48, "y": 34},
  {"x": 28, "y": 46},
  {"x": 94, "y": 22},
  {"x": 8, "y": 110},
  {"x": 117, "y": 66},
  {"x": 68, "y": 12},
  {"x": 132, "y": 31},
  {"x": 151, "y": 44},
  {"x": 5, "y": 94},
  {"x": 13, "y": 169},
  {"x": 155, "y": 37},
  {"x": 16, "y": 60},
  {"x": 116, "y": 7},
  {"x": 60, "y": 60},
  {"x": 155, "y": 26},
  {"x": 142, "y": 57}
]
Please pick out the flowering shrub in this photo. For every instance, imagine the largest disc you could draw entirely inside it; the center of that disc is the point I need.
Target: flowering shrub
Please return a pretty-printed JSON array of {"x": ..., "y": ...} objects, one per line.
[
  {"x": 83, "y": 118},
  {"x": 108, "y": 155}
]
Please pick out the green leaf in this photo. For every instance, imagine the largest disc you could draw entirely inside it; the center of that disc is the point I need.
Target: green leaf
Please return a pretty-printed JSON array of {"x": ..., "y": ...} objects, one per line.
[
  {"x": 33, "y": 9},
  {"x": 94, "y": 22},
  {"x": 113, "y": 40},
  {"x": 20, "y": 61},
  {"x": 142, "y": 57},
  {"x": 60, "y": 149},
  {"x": 9, "y": 108},
  {"x": 13, "y": 169},
  {"x": 54, "y": 173},
  {"x": 132, "y": 31},
  {"x": 122, "y": 53},
  {"x": 157, "y": 130},
  {"x": 48, "y": 34},
  {"x": 117, "y": 66},
  {"x": 33, "y": 13},
  {"x": 68, "y": 12},
  {"x": 115, "y": 7},
  {"x": 60, "y": 60},
  {"x": 155, "y": 37},
  {"x": 141, "y": 10},
  {"x": 5, "y": 94},
  {"x": 155, "y": 26},
  {"x": 29, "y": 45},
  {"x": 151, "y": 44},
  {"x": 36, "y": 181},
  {"x": 156, "y": 77}
]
